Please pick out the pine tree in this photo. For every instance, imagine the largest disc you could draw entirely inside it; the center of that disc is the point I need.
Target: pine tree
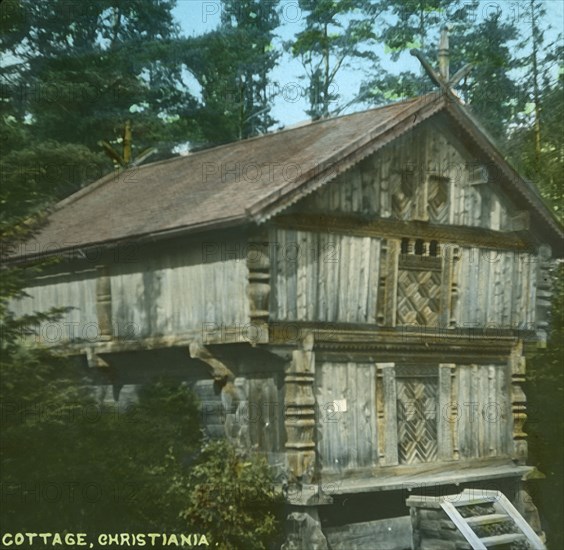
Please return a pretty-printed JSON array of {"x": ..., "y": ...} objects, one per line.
[
  {"x": 414, "y": 24},
  {"x": 336, "y": 32},
  {"x": 232, "y": 65},
  {"x": 490, "y": 90},
  {"x": 76, "y": 72}
]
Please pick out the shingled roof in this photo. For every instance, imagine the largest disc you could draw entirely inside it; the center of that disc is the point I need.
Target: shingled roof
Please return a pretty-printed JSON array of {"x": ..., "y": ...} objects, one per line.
[{"x": 246, "y": 181}]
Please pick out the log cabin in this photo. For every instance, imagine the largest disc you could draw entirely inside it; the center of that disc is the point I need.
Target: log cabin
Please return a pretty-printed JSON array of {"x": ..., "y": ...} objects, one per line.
[{"x": 349, "y": 297}]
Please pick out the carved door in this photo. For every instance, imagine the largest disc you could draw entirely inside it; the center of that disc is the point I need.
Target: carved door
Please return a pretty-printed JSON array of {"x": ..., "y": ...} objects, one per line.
[{"x": 417, "y": 406}]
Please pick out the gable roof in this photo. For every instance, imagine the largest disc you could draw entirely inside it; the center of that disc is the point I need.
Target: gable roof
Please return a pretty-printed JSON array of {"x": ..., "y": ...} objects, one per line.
[{"x": 250, "y": 180}]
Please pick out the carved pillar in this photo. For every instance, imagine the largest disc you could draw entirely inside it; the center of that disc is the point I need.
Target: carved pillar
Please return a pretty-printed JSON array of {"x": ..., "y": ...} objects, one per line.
[
  {"x": 393, "y": 251},
  {"x": 518, "y": 402},
  {"x": 258, "y": 263},
  {"x": 453, "y": 258},
  {"x": 104, "y": 302},
  {"x": 543, "y": 295},
  {"x": 299, "y": 407}
]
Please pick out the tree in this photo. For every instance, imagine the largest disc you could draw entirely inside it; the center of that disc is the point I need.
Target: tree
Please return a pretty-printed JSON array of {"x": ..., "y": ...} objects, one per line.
[
  {"x": 253, "y": 23},
  {"x": 545, "y": 425},
  {"x": 232, "y": 64},
  {"x": 413, "y": 24},
  {"x": 490, "y": 90},
  {"x": 336, "y": 32},
  {"x": 232, "y": 496},
  {"x": 536, "y": 140},
  {"x": 78, "y": 71}
]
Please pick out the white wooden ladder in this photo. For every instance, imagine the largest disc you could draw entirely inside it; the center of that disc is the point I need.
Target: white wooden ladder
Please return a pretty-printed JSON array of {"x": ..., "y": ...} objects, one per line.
[{"x": 477, "y": 512}]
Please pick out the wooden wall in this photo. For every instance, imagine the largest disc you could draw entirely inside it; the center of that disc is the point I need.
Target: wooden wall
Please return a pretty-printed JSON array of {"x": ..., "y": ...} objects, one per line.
[
  {"x": 389, "y": 414},
  {"x": 347, "y": 435},
  {"x": 423, "y": 175},
  {"x": 177, "y": 292},
  {"x": 496, "y": 288},
  {"x": 324, "y": 277},
  {"x": 160, "y": 294},
  {"x": 76, "y": 290},
  {"x": 329, "y": 277}
]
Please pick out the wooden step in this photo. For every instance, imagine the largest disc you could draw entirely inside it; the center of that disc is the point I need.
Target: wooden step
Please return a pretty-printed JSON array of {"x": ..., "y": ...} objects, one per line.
[
  {"x": 472, "y": 501},
  {"x": 496, "y": 540},
  {"x": 486, "y": 519}
]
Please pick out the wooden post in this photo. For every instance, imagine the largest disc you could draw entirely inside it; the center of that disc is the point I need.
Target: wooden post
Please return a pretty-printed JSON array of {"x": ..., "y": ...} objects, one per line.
[
  {"x": 391, "y": 296},
  {"x": 518, "y": 402},
  {"x": 387, "y": 413},
  {"x": 444, "y": 55},
  {"x": 446, "y": 425},
  {"x": 104, "y": 302},
  {"x": 299, "y": 406}
]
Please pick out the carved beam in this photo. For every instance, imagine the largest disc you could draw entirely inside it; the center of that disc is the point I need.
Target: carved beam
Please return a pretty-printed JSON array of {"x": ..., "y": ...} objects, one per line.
[
  {"x": 458, "y": 76},
  {"x": 219, "y": 371},
  {"x": 233, "y": 396},
  {"x": 384, "y": 227},
  {"x": 428, "y": 69}
]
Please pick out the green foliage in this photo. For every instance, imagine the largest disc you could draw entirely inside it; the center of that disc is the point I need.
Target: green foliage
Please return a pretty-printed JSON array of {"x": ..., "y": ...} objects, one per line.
[
  {"x": 66, "y": 460},
  {"x": 490, "y": 90},
  {"x": 336, "y": 32},
  {"x": 545, "y": 422},
  {"x": 75, "y": 72},
  {"x": 233, "y": 498},
  {"x": 233, "y": 64}
]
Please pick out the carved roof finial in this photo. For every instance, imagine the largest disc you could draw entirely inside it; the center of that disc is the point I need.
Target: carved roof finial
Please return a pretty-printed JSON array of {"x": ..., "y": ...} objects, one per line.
[
  {"x": 443, "y": 54},
  {"x": 442, "y": 79}
]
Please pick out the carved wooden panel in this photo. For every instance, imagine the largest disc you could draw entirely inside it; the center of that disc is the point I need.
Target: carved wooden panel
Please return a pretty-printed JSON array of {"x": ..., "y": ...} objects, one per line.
[
  {"x": 417, "y": 419},
  {"x": 404, "y": 195},
  {"x": 437, "y": 199},
  {"x": 419, "y": 294}
]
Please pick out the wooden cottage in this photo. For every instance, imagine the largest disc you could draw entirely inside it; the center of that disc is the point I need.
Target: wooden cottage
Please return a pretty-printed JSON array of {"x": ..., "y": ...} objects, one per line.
[{"x": 349, "y": 297}]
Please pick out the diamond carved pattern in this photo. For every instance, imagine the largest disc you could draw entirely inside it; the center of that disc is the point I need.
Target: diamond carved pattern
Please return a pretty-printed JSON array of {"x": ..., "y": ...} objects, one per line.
[
  {"x": 437, "y": 198},
  {"x": 404, "y": 196},
  {"x": 417, "y": 420},
  {"x": 418, "y": 297}
]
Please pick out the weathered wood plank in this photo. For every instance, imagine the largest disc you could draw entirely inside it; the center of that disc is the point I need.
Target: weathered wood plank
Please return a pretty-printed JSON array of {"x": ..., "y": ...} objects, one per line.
[
  {"x": 390, "y": 433},
  {"x": 445, "y": 422}
]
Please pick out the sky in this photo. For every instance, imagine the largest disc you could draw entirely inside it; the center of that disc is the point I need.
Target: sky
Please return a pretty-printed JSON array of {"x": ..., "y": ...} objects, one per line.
[{"x": 199, "y": 16}]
